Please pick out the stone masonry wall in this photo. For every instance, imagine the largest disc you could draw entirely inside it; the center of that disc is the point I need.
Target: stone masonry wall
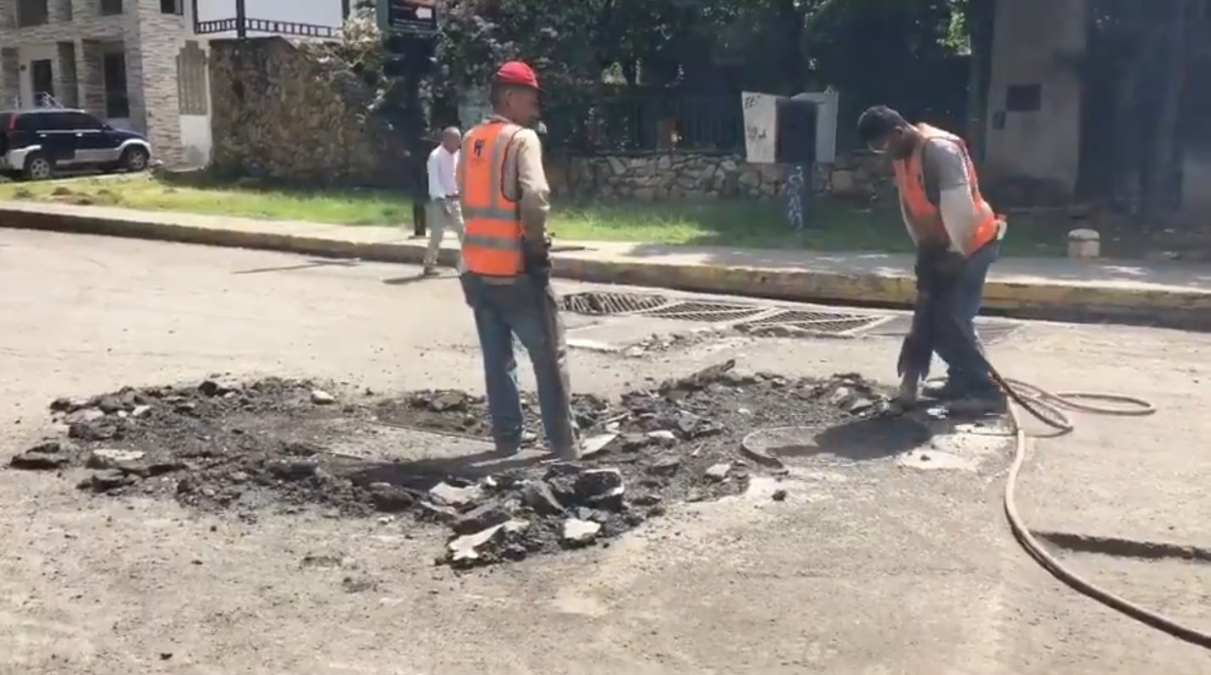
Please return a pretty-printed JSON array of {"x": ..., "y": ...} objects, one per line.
[
  {"x": 286, "y": 111},
  {"x": 654, "y": 177}
]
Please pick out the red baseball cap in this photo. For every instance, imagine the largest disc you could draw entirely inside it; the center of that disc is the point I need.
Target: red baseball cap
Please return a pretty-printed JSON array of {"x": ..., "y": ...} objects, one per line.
[{"x": 517, "y": 73}]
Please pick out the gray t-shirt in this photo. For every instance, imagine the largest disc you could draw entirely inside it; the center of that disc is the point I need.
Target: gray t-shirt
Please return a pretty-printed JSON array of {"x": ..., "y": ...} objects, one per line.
[{"x": 945, "y": 168}]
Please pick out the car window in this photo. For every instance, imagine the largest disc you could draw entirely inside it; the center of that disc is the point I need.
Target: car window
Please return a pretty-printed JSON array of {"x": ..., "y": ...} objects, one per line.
[
  {"x": 30, "y": 122},
  {"x": 78, "y": 120}
]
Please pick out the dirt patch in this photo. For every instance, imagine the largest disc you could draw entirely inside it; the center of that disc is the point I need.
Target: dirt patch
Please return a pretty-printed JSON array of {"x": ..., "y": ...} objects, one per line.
[{"x": 230, "y": 445}]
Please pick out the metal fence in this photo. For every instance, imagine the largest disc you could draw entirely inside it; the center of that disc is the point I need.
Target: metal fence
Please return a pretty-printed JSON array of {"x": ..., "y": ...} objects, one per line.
[
  {"x": 292, "y": 28},
  {"x": 644, "y": 122}
]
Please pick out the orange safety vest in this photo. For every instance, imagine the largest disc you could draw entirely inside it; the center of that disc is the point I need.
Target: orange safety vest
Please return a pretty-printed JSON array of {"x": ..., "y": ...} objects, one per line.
[
  {"x": 492, "y": 242},
  {"x": 924, "y": 217}
]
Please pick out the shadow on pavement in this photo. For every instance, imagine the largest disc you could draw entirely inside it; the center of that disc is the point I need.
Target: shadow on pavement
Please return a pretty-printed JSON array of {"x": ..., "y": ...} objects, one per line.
[
  {"x": 861, "y": 440},
  {"x": 304, "y": 266}
]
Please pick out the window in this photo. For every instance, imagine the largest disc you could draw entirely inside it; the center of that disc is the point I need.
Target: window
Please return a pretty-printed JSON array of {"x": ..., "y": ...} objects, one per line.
[
  {"x": 117, "y": 103},
  {"x": 32, "y": 122},
  {"x": 109, "y": 7},
  {"x": 78, "y": 121},
  {"x": 42, "y": 79},
  {"x": 32, "y": 12},
  {"x": 191, "y": 79},
  {"x": 172, "y": 7}
]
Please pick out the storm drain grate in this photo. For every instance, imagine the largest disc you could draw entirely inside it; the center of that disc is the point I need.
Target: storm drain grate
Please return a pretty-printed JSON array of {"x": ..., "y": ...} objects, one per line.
[
  {"x": 605, "y": 304},
  {"x": 832, "y": 326},
  {"x": 815, "y": 320},
  {"x": 708, "y": 312},
  {"x": 991, "y": 331}
]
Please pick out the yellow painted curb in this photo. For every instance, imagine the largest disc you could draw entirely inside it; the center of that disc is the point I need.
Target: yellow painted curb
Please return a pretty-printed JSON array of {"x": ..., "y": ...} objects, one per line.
[{"x": 1185, "y": 308}]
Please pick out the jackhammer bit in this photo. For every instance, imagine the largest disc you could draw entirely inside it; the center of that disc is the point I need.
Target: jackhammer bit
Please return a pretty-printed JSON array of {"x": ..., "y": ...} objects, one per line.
[{"x": 916, "y": 352}]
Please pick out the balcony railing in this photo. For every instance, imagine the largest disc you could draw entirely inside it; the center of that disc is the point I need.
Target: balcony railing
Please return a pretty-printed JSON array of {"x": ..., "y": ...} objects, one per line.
[{"x": 292, "y": 28}]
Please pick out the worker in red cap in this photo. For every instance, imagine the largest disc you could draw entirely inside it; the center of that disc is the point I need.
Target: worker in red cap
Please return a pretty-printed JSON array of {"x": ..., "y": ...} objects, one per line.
[{"x": 507, "y": 264}]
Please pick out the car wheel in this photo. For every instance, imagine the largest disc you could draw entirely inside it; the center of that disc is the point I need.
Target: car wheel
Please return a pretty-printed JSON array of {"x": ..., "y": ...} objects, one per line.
[
  {"x": 135, "y": 159},
  {"x": 38, "y": 167}
]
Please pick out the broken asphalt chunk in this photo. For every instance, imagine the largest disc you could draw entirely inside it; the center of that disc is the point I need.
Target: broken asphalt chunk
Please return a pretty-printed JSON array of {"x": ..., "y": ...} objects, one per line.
[
  {"x": 601, "y": 488},
  {"x": 578, "y": 532},
  {"x": 719, "y": 472},
  {"x": 470, "y": 548},
  {"x": 481, "y": 518},
  {"x": 389, "y": 498},
  {"x": 458, "y": 497},
  {"x": 538, "y": 496},
  {"x": 44, "y": 457},
  {"x": 103, "y": 459},
  {"x": 596, "y": 444},
  {"x": 321, "y": 397}
]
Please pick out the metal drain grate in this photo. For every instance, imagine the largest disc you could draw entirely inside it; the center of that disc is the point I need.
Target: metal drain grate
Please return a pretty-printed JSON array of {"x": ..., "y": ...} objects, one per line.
[
  {"x": 832, "y": 326},
  {"x": 824, "y": 322},
  {"x": 604, "y": 304},
  {"x": 991, "y": 331},
  {"x": 708, "y": 312}
]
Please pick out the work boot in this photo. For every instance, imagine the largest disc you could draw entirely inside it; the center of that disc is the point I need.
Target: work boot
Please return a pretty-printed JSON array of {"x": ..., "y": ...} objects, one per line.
[
  {"x": 430, "y": 271},
  {"x": 981, "y": 401},
  {"x": 949, "y": 390}
]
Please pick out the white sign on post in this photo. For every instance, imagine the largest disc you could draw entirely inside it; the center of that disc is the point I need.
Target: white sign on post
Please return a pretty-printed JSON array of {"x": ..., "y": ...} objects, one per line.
[{"x": 760, "y": 127}]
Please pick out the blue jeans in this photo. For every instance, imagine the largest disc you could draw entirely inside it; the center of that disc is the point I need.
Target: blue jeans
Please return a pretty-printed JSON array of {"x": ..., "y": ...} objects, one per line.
[
  {"x": 955, "y": 338},
  {"x": 526, "y": 308}
]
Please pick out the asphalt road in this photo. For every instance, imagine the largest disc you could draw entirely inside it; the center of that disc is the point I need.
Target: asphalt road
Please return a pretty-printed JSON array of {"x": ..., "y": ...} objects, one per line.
[{"x": 876, "y": 568}]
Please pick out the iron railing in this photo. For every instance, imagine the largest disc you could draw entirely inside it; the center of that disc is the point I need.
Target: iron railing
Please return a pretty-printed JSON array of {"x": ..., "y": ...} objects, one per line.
[
  {"x": 292, "y": 28},
  {"x": 645, "y": 122}
]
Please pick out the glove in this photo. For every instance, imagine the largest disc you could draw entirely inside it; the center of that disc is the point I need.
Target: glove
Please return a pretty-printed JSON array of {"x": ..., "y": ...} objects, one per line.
[{"x": 538, "y": 260}]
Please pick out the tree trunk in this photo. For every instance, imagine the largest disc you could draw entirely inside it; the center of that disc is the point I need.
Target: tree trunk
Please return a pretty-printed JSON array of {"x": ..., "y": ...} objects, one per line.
[
  {"x": 793, "y": 21},
  {"x": 980, "y": 16},
  {"x": 1159, "y": 195}
]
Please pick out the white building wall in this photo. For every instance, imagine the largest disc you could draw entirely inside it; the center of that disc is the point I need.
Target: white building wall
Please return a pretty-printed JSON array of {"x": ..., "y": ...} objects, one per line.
[{"x": 1036, "y": 43}]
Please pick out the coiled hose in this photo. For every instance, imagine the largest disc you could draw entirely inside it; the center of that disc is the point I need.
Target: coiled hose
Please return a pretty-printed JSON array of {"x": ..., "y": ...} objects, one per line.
[{"x": 1049, "y": 409}]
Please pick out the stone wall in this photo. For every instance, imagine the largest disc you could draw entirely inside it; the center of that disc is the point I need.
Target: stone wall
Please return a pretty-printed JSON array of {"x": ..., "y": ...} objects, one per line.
[
  {"x": 653, "y": 177},
  {"x": 287, "y": 111}
]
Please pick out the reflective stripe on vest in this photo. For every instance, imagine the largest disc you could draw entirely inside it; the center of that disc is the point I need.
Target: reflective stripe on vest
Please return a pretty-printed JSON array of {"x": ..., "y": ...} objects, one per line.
[
  {"x": 492, "y": 243},
  {"x": 924, "y": 216}
]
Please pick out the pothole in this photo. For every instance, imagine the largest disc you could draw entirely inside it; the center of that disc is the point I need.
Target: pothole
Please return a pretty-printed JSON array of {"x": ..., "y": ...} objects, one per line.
[{"x": 227, "y": 445}]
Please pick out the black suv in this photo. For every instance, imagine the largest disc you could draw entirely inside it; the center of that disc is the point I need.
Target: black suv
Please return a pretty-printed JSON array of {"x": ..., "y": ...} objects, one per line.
[{"x": 34, "y": 144}]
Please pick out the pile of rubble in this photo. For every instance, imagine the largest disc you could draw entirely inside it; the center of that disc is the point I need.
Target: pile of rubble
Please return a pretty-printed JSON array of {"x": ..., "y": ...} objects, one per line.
[{"x": 227, "y": 445}]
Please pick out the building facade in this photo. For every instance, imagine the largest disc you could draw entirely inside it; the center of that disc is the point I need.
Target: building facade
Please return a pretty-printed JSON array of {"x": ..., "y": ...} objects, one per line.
[
  {"x": 139, "y": 64},
  {"x": 1034, "y": 98}
]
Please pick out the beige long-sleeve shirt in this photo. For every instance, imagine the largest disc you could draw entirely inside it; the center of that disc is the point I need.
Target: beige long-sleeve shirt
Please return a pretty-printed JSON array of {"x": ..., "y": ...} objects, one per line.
[{"x": 525, "y": 182}]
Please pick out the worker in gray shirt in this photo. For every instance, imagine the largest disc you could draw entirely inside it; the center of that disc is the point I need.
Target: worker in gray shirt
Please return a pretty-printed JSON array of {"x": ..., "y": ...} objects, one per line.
[{"x": 958, "y": 237}]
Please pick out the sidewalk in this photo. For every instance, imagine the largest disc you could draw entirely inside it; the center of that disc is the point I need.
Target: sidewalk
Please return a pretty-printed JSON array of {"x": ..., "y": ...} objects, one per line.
[{"x": 1172, "y": 294}]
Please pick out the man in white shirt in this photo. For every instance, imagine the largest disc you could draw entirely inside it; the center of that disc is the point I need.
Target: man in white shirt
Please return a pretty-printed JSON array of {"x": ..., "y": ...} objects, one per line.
[{"x": 444, "y": 208}]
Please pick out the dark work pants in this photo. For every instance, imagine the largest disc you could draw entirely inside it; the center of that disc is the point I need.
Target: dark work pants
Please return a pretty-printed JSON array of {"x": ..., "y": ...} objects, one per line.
[
  {"x": 955, "y": 310},
  {"x": 528, "y": 309}
]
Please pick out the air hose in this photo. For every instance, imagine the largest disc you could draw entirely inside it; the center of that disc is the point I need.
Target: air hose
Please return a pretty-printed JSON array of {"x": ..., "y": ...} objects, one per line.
[
  {"x": 1039, "y": 403},
  {"x": 1049, "y": 408}
]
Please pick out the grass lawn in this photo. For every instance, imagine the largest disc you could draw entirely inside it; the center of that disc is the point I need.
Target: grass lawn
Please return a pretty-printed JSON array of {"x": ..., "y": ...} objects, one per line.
[{"x": 843, "y": 226}]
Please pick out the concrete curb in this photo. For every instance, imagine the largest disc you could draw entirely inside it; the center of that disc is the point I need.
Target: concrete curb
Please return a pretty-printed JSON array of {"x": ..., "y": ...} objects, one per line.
[{"x": 1173, "y": 307}]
